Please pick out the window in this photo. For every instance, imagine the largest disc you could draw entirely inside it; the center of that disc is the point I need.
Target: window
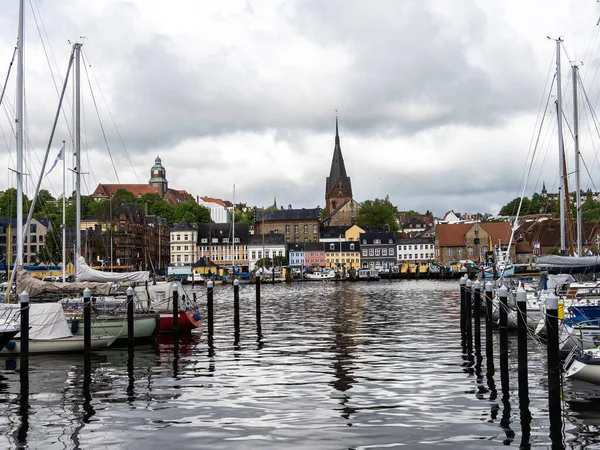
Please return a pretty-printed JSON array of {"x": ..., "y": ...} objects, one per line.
[
  {"x": 178, "y": 237},
  {"x": 371, "y": 252},
  {"x": 287, "y": 229},
  {"x": 204, "y": 240},
  {"x": 185, "y": 237},
  {"x": 315, "y": 229},
  {"x": 470, "y": 251},
  {"x": 390, "y": 241},
  {"x": 448, "y": 252},
  {"x": 236, "y": 240},
  {"x": 351, "y": 246},
  {"x": 332, "y": 246},
  {"x": 185, "y": 258},
  {"x": 33, "y": 239},
  {"x": 364, "y": 241},
  {"x": 179, "y": 248},
  {"x": 305, "y": 229},
  {"x": 391, "y": 252},
  {"x": 33, "y": 228},
  {"x": 296, "y": 228},
  {"x": 364, "y": 252},
  {"x": 377, "y": 251},
  {"x": 384, "y": 252},
  {"x": 215, "y": 240},
  {"x": 178, "y": 258},
  {"x": 253, "y": 254},
  {"x": 259, "y": 254},
  {"x": 376, "y": 241},
  {"x": 41, "y": 238},
  {"x": 226, "y": 240}
]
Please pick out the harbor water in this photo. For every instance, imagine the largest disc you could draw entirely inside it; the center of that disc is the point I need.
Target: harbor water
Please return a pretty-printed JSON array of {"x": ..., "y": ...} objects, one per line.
[{"x": 333, "y": 366}]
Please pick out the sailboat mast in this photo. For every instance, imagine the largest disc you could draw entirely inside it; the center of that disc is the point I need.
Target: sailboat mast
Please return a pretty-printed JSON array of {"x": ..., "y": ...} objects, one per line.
[
  {"x": 561, "y": 154},
  {"x": 20, "y": 129},
  {"x": 77, "y": 48},
  {"x": 64, "y": 214},
  {"x": 233, "y": 233},
  {"x": 577, "y": 178}
]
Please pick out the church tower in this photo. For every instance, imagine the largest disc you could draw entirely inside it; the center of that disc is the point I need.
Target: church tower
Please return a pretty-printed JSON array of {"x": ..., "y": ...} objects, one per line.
[
  {"x": 338, "y": 189},
  {"x": 158, "y": 177}
]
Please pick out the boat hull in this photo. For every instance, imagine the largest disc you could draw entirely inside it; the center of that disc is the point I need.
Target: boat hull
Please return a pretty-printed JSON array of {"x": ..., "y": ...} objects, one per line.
[
  {"x": 582, "y": 371},
  {"x": 144, "y": 328},
  {"x": 71, "y": 344},
  {"x": 188, "y": 320}
]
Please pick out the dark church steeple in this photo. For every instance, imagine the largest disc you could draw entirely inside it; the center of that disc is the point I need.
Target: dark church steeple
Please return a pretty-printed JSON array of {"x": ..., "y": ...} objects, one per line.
[{"x": 338, "y": 189}]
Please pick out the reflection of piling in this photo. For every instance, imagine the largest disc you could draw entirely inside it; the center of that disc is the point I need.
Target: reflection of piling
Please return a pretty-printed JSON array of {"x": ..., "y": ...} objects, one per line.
[
  {"x": 87, "y": 322},
  {"x": 130, "y": 312},
  {"x": 258, "y": 300},
  {"x": 209, "y": 309},
  {"x": 24, "y": 300},
  {"x": 175, "y": 309},
  {"x": 477, "y": 316},
  {"x": 236, "y": 308},
  {"x": 503, "y": 294},
  {"x": 463, "y": 282},
  {"x": 553, "y": 370}
]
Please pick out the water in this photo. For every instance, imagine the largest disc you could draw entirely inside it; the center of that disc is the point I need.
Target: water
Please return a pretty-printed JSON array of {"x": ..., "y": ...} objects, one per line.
[{"x": 336, "y": 366}]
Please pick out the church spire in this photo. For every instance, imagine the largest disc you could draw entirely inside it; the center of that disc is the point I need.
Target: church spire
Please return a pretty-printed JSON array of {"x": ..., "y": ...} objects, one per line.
[{"x": 338, "y": 188}]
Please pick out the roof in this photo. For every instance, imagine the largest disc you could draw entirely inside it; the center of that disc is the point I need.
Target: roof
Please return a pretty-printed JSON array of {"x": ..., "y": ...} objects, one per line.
[
  {"x": 333, "y": 231},
  {"x": 452, "y": 234},
  {"x": 338, "y": 169},
  {"x": 175, "y": 197},
  {"x": 498, "y": 231},
  {"x": 269, "y": 239},
  {"x": 13, "y": 222},
  {"x": 218, "y": 201},
  {"x": 415, "y": 240},
  {"x": 345, "y": 247},
  {"x": 287, "y": 214},
  {"x": 223, "y": 230},
  {"x": 109, "y": 190},
  {"x": 385, "y": 236},
  {"x": 183, "y": 225}
]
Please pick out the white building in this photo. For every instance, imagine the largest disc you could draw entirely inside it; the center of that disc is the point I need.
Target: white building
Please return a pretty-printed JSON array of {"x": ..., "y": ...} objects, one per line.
[
  {"x": 415, "y": 249},
  {"x": 218, "y": 210},
  {"x": 272, "y": 246},
  {"x": 184, "y": 244}
]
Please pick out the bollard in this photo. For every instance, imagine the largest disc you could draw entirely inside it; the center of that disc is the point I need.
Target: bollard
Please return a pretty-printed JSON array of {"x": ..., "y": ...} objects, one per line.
[
  {"x": 24, "y": 300},
  {"x": 522, "y": 367},
  {"x": 477, "y": 316},
  {"x": 258, "y": 301},
  {"x": 468, "y": 315},
  {"x": 463, "y": 282},
  {"x": 130, "y": 317},
  {"x": 236, "y": 307},
  {"x": 209, "y": 309},
  {"x": 87, "y": 322},
  {"x": 175, "y": 309},
  {"x": 554, "y": 368}
]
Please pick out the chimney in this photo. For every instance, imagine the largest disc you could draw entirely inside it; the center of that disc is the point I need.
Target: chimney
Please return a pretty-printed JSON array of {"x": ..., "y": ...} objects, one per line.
[{"x": 289, "y": 206}]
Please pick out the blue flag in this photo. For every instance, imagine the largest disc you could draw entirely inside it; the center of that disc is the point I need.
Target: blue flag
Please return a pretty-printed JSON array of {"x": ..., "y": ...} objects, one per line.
[{"x": 59, "y": 157}]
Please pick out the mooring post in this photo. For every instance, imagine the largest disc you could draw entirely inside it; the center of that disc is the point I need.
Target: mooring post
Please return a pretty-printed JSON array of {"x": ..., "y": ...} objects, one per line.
[
  {"x": 522, "y": 341},
  {"x": 236, "y": 307},
  {"x": 463, "y": 282},
  {"x": 209, "y": 308},
  {"x": 554, "y": 368},
  {"x": 477, "y": 316},
  {"x": 24, "y": 301},
  {"x": 130, "y": 316},
  {"x": 258, "y": 300},
  {"x": 87, "y": 322},
  {"x": 175, "y": 309},
  {"x": 503, "y": 294},
  {"x": 469, "y": 315}
]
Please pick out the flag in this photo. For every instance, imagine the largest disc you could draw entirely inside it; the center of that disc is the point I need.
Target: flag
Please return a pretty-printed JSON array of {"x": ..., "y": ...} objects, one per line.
[{"x": 59, "y": 157}]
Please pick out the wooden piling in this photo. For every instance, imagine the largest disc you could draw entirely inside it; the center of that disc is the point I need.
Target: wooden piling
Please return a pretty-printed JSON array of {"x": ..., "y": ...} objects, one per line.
[
  {"x": 522, "y": 368},
  {"x": 554, "y": 368},
  {"x": 236, "y": 308},
  {"x": 209, "y": 309},
  {"x": 477, "y": 316},
  {"x": 258, "y": 301},
  {"x": 87, "y": 322},
  {"x": 24, "y": 301},
  {"x": 503, "y": 307},
  {"x": 463, "y": 282},
  {"x": 469, "y": 315},
  {"x": 130, "y": 318}
]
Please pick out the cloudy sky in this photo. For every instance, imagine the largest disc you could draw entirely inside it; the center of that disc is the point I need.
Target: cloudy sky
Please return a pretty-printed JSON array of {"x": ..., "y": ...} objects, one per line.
[{"x": 438, "y": 100}]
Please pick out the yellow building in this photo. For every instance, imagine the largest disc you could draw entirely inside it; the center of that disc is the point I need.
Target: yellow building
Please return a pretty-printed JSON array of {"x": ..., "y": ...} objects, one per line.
[{"x": 339, "y": 255}]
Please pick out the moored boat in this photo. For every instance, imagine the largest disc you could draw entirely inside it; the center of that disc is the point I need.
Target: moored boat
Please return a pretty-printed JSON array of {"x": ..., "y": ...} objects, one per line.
[{"x": 583, "y": 365}]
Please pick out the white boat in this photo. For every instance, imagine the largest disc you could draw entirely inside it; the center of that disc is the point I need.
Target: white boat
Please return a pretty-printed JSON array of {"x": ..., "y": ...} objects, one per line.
[
  {"x": 49, "y": 332},
  {"x": 583, "y": 365},
  {"x": 367, "y": 274},
  {"x": 322, "y": 275}
]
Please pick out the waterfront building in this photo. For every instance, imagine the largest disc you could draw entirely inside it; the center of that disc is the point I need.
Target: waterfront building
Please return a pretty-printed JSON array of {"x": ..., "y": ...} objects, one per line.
[
  {"x": 342, "y": 255},
  {"x": 378, "y": 250},
  {"x": 32, "y": 242},
  {"x": 419, "y": 249},
  {"x": 184, "y": 242},
  {"x": 415, "y": 224},
  {"x": 219, "y": 212},
  {"x": 296, "y": 225},
  {"x": 295, "y": 254},
  {"x": 265, "y": 246},
  {"x": 157, "y": 184},
  {"x": 340, "y": 208},
  {"x": 224, "y": 244},
  {"x": 314, "y": 254}
]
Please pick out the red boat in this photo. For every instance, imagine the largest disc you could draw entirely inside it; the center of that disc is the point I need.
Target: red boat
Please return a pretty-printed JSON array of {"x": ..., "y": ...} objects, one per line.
[{"x": 159, "y": 297}]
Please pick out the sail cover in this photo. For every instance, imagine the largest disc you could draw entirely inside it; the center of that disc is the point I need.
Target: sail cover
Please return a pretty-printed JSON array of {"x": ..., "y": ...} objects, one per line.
[
  {"x": 46, "y": 320},
  {"x": 35, "y": 287},
  {"x": 568, "y": 264},
  {"x": 86, "y": 273}
]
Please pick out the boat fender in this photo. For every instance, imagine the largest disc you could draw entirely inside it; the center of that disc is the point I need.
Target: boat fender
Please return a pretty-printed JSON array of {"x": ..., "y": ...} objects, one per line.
[
  {"x": 74, "y": 325},
  {"x": 197, "y": 316},
  {"x": 11, "y": 364},
  {"x": 11, "y": 345}
]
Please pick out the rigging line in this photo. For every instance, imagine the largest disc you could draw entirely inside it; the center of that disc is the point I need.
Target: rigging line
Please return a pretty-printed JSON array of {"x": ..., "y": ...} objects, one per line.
[
  {"x": 100, "y": 122},
  {"x": 56, "y": 86},
  {"x": 592, "y": 112},
  {"x": 8, "y": 75},
  {"x": 112, "y": 118}
]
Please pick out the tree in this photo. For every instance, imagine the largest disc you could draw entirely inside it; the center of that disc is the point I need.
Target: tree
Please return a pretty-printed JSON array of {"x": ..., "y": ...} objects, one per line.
[
  {"x": 512, "y": 207},
  {"x": 191, "y": 212},
  {"x": 378, "y": 212},
  {"x": 52, "y": 249},
  {"x": 244, "y": 217}
]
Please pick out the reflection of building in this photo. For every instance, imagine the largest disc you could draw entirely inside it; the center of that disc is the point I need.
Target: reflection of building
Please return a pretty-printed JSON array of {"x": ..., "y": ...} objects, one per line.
[
  {"x": 38, "y": 228},
  {"x": 157, "y": 184},
  {"x": 184, "y": 240}
]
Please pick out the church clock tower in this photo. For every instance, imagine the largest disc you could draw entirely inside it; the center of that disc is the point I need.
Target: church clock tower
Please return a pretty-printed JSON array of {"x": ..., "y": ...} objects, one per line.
[
  {"x": 338, "y": 189},
  {"x": 158, "y": 177}
]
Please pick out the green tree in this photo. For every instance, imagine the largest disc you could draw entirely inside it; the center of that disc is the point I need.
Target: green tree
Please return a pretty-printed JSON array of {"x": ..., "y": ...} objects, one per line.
[
  {"x": 51, "y": 252},
  {"x": 378, "y": 212},
  {"x": 513, "y": 206},
  {"x": 191, "y": 212},
  {"x": 244, "y": 217}
]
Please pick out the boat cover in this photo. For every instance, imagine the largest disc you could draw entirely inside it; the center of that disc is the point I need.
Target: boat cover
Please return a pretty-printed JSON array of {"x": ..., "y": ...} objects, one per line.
[
  {"x": 35, "y": 287},
  {"x": 46, "y": 320},
  {"x": 567, "y": 261},
  {"x": 86, "y": 273},
  {"x": 159, "y": 296}
]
